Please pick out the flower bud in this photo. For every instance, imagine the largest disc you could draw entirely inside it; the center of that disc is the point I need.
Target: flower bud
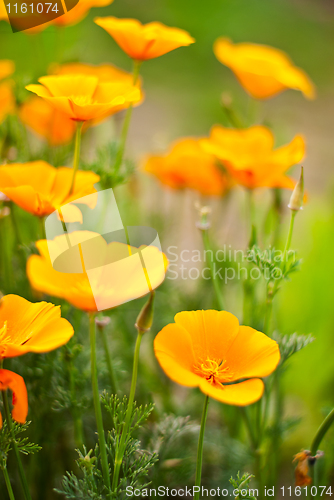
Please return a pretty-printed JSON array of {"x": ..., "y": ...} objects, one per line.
[
  {"x": 296, "y": 200},
  {"x": 145, "y": 317}
]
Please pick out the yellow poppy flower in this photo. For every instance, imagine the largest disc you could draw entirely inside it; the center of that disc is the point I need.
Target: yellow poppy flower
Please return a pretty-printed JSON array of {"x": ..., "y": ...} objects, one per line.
[
  {"x": 115, "y": 273},
  {"x": 53, "y": 125},
  {"x": 210, "y": 350},
  {"x": 14, "y": 382},
  {"x": 84, "y": 97},
  {"x": 263, "y": 71},
  {"x": 27, "y": 327},
  {"x": 250, "y": 157},
  {"x": 188, "y": 165},
  {"x": 40, "y": 189},
  {"x": 144, "y": 41}
]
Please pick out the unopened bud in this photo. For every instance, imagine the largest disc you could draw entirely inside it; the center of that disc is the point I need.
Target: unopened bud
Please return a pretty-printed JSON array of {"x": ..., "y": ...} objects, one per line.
[
  {"x": 145, "y": 317},
  {"x": 102, "y": 322},
  {"x": 204, "y": 213},
  {"x": 296, "y": 200}
]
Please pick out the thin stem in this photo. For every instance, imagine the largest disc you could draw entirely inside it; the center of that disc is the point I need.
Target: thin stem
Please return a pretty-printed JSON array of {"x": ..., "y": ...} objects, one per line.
[
  {"x": 271, "y": 293},
  {"x": 112, "y": 377},
  {"x": 127, "y": 119},
  {"x": 15, "y": 448},
  {"x": 76, "y": 157},
  {"x": 216, "y": 286},
  {"x": 42, "y": 227},
  {"x": 97, "y": 403},
  {"x": 9, "y": 486},
  {"x": 327, "y": 422},
  {"x": 200, "y": 448},
  {"x": 125, "y": 432}
]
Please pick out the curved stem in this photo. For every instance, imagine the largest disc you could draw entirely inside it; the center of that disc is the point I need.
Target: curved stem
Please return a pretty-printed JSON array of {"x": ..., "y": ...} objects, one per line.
[
  {"x": 216, "y": 286},
  {"x": 97, "y": 403},
  {"x": 9, "y": 486},
  {"x": 76, "y": 157},
  {"x": 125, "y": 432},
  {"x": 200, "y": 448},
  {"x": 327, "y": 422},
  {"x": 126, "y": 123},
  {"x": 15, "y": 448}
]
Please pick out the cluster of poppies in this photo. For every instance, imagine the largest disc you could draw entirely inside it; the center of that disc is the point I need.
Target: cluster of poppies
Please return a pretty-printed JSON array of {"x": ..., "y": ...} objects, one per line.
[{"x": 205, "y": 349}]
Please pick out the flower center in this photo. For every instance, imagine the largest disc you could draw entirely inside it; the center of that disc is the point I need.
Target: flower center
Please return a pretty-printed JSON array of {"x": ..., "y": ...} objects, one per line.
[{"x": 214, "y": 371}]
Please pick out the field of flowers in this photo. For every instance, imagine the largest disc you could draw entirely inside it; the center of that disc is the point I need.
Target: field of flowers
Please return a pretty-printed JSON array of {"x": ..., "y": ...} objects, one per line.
[{"x": 166, "y": 223}]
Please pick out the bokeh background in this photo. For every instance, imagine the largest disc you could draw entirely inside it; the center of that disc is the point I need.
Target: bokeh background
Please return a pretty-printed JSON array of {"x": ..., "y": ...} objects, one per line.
[{"x": 183, "y": 94}]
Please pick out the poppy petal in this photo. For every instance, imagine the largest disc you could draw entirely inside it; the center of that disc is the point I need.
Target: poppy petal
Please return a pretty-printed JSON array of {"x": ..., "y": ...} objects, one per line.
[{"x": 242, "y": 394}]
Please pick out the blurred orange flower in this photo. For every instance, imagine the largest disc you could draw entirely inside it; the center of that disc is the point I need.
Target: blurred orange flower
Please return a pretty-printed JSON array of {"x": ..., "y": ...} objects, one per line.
[
  {"x": 84, "y": 97},
  {"x": 86, "y": 291},
  {"x": 250, "y": 157},
  {"x": 7, "y": 99},
  {"x": 27, "y": 327},
  {"x": 144, "y": 41},
  {"x": 39, "y": 188},
  {"x": 14, "y": 382},
  {"x": 7, "y": 68},
  {"x": 209, "y": 350},
  {"x": 56, "y": 127},
  {"x": 188, "y": 165},
  {"x": 263, "y": 71}
]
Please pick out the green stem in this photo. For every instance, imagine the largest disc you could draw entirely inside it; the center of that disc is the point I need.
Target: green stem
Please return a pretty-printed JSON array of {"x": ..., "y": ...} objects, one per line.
[
  {"x": 215, "y": 281},
  {"x": 9, "y": 486},
  {"x": 321, "y": 432},
  {"x": 112, "y": 377},
  {"x": 15, "y": 448},
  {"x": 76, "y": 157},
  {"x": 200, "y": 448},
  {"x": 42, "y": 227},
  {"x": 97, "y": 403},
  {"x": 127, "y": 119},
  {"x": 77, "y": 420},
  {"x": 125, "y": 432},
  {"x": 271, "y": 293}
]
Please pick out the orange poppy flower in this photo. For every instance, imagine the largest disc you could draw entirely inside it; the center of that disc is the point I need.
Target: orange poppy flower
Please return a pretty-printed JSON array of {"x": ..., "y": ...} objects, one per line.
[
  {"x": 115, "y": 273},
  {"x": 188, "y": 165},
  {"x": 84, "y": 97},
  {"x": 263, "y": 71},
  {"x": 7, "y": 99},
  {"x": 27, "y": 327},
  {"x": 7, "y": 68},
  {"x": 209, "y": 350},
  {"x": 250, "y": 157},
  {"x": 144, "y": 41},
  {"x": 40, "y": 189},
  {"x": 56, "y": 127},
  {"x": 14, "y": 382}
]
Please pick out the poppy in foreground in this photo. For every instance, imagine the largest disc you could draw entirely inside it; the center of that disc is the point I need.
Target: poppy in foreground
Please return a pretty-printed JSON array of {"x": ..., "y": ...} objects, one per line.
[
  {"x": 39, "y": 188},
  {"x": 188, "y": 165},
  {"x": 210, "y": 350},
  {"x": 15, "y": 383},
  {"x": 250, "y": 157},
  {"x": 83, "y": 97},
  {"x": 144, "y": 41},
  {"x": 114, "y": 275},
  {"x": 28, "y": 327},
  {"x": 263, "y": 71}
]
